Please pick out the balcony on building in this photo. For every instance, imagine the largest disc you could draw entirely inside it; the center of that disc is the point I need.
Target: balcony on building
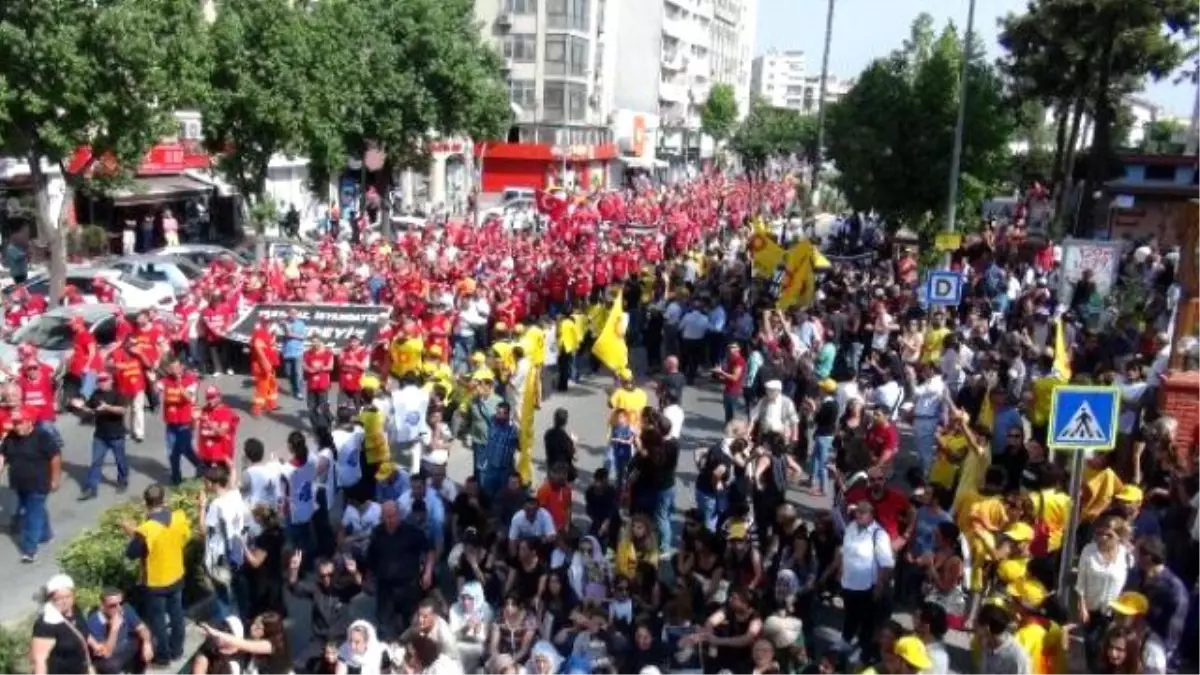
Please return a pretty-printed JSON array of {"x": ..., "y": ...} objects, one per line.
[
  {"x": 673, "y": 60},
  {"x": 673, "y": 91},
  {"x": 1150, "y": 198}
]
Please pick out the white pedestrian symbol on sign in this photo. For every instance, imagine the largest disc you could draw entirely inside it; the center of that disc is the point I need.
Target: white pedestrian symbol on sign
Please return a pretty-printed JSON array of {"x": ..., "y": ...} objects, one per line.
[{"x": 1082, "y": 427}]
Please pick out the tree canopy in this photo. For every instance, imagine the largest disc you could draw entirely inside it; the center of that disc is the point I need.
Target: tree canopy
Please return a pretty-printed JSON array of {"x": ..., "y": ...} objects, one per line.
[
  {"x": 720, "y": 112},
  {"x": 891, "y": 136},
  {"x": 769, "y": 132}
]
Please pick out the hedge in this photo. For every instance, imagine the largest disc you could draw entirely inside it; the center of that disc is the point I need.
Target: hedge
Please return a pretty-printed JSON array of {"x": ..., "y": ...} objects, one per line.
[{"x": 95, "y": 560}]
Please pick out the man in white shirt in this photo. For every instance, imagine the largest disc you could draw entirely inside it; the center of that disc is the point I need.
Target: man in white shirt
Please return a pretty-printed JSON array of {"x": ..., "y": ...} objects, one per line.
[
  {"x": 776, "y": 412},
  {"x": 693, "y": 330},
  {"x": 673, "y": 412},
  {"x": 888, "y": 395},
  {"x": 472, "y": 318},
  {"x": 929, "y": 393},
  {"x": 226, "y": 521},
  {"x": 866, "y": 562},
  {"x": 531, "y": 522},
  {"x": 409, "y": 404}
]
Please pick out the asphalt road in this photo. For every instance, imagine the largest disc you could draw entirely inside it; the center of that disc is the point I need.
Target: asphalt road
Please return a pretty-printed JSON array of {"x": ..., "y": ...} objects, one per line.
[{"x": 585, "y": 404}]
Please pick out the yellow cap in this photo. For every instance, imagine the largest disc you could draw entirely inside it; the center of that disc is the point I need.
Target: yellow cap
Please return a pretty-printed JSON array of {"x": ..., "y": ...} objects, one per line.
[
  {"x": 828, "y": 385},
  {"x": 1130, "y": 494},
  {"x": 501, "y": 327},
  {"x": 1028, "y": 592},
  {"x": 738, "y": 531},
  {"x": 369, "y": 382},
  {"x": 1130, "y": 603},
  {"x": 913, "y": 652},
  {"x": 1011, "y": 570},
  {"x": 385, "y": 471},
  {"x": 519, "y": 329},
  {"x": 1020, "y": 532},
  {"x": 483, "y": 375},
  {"x": 435, "y": 350},
  {"x": 478, "y": 357}
]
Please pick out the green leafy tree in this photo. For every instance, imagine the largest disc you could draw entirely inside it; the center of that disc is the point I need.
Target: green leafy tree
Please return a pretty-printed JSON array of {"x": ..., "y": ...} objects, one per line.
[
  {"x": 769, "y": 132},
  {"x": 720, "y": 112},
  {"x": 399, "y": 74},
  {"x": 106, "y": 75},
  {"x": 1164, "y": 136},
  {"x": 260, "y": 89},
  {"x": 891, "y": 136}
]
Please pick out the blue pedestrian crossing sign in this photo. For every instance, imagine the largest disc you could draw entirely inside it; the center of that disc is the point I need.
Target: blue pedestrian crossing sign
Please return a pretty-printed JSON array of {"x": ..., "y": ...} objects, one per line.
[
  {"x": 1084, "y": 418},
  {"x": 944, "y": 288}
]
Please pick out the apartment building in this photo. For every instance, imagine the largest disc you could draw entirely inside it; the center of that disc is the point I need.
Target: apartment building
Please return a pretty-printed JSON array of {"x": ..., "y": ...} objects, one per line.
[{"x": 778, "y": 78}]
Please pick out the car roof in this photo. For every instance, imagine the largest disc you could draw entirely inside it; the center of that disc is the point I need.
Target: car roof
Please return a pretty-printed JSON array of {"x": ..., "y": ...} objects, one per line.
[
  {"x": 90, "y": 312},
  {"x": 185, "y": 248},
  {"x": 153, "y": 258}
]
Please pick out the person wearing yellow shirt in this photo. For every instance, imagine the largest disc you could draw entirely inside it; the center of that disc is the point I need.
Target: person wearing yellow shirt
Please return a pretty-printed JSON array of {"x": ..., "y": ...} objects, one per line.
[
  {"x": 935, "y": 336},
  {"x": 1049, "y": 508},
  {"x": 1100, "y": 485},
  {"x": 479, "y": 368},
  {"x": 981, "y": 516},
  {"x": 438, "y": 372},
  {"x": 1043, "y": 640},
  {"x": 569, "y": 340},
  {"x": 407, "y": 351},
  {"x": 1043, "y": 394},
  {"x": 630, "y": 399},
  {"x": 374, "y": 422}
]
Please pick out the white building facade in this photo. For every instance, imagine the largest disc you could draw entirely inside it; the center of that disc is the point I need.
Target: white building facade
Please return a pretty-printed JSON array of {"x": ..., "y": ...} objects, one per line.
[{"x": 778, "y": 78}]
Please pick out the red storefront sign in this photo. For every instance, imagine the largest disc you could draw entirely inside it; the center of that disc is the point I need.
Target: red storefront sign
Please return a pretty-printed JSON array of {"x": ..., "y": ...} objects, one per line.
[
  {"x": 163, "y": 159},
  {"x": 447, "y": 147}
]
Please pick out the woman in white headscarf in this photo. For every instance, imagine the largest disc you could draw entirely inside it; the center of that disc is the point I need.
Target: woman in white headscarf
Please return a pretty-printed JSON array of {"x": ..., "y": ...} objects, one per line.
[
  {"x": 362, "y": 653},
  {"x": 544, "y": 659},
  {"x": 589, "y": 572},
  {"x": 471, "y": 621}
]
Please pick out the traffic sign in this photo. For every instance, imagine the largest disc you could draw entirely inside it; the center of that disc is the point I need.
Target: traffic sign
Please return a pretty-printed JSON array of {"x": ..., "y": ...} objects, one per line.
[
  {"x": 1084, "y": 418},
  {"x": 945, "y": 288},
  {"x": 948, "y": 241}
]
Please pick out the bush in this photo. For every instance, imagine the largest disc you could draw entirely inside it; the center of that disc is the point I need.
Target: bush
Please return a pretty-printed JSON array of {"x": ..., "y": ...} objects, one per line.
[
  {"x": 14, "y": 650},
  {"x": 96, "y": 560}
]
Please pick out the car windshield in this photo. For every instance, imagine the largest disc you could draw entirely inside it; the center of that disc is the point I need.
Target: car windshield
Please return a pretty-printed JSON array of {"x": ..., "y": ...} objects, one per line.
[
  {"x": 190, "y": 271},
  {"x": 51, "y": 333},
  {"x": 140, "y": 284}
]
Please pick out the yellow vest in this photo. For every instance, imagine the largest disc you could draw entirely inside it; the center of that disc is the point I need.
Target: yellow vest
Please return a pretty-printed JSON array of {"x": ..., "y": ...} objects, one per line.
[
  {"x": 568, "y": 335},
  {"x": 534, "y": 344},
  {"x": 406, "y": 356},
  {"x": 164, "y": 549},
  {"x": 375, "y": 442}
]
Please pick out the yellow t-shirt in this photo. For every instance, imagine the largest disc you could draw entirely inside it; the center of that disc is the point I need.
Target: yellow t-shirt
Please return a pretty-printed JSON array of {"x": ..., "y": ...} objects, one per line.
[
  {"x": 1053, "y": 514},
  {"x": 534, "y": 344},
  {"x": 439, "y": 373},
  {"x": 931, "y": 350},
  {"x": 1099, "y": 488},
  {"x": 569, "y": 337},
  {"x": 1043, "y": 392},
  {"x": 1032, "y": 638},
  {"x": 406, "y": 356},
  {"x": 631, "y": 402},
  {"x": 949, "y": 460},
  {"x": 504, "y": 356},
  {"x": 375, "y": 443}
]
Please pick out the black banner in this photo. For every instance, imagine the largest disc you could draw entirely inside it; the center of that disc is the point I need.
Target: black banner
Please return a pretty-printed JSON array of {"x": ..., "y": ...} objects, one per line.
[{"x": 335, "y": 324}]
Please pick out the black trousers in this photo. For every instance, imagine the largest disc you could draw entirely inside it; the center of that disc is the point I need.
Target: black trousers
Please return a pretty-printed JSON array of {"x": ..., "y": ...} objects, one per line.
[
  {"x": 396, "y": 603},
  {"x": 692, "y": 358},
  {"x": 863, "y": 616}
]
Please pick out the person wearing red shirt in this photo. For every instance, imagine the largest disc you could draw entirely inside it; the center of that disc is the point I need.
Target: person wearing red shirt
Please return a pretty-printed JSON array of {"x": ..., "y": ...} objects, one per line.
[
  {"x": 883, "y": 439},
  {"x": 37, "y": 391},
  {"x": 318, "y": 377},
  {"x": 731, "y": 374},
  {"x": 351, "y": 367},
  {"x": 891, "y": 506},
  {"x": 214, "y": 321},
  {"x": 149, "y": 346},
  {"x": 216, "y": 427},
  {"x": 438, "y": 327},
  {"x": 129, "y": 370},
  {"x": 178, "y": 389},
  {"x": 79, "y": 381},
  {"x": 105, "y": 292}
]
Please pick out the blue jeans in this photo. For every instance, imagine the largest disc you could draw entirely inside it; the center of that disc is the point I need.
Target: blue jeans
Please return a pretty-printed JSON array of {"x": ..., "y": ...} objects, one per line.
[
  {"x": 731, "y": 402},
  {"x": 292, "y": 371},
  {"x": 163, "y": 607},
  {"x": 663, "y": 508},
  {"x": 461, "y": 347},
  {"x": 925, "y": 439},
  {"x": 35, "y": 521},
  {"x": 493, "y": 481},
  {"x": 179, "y": 447},
  {"x": 821, "y": 448},
  {"x": 87, "y": 385},
  {"x": 711, "y": 507},
  {"x": 100, "y": 450}
]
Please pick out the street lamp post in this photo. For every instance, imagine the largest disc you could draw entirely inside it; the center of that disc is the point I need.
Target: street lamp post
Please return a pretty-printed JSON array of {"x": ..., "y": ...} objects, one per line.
[
  {"x": 956, "y": 157},
  {"x": 815, "y": 183}
]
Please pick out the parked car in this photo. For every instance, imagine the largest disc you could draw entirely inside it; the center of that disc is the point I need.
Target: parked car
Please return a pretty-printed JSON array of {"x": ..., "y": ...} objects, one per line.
[
  {"x": 202, "y": 255},
  {"x": 180, "y": 273},
  {"x": 276, "y": 247},
  {"x": 134, "y": 293},
  {"x": 51, "y": 335}
]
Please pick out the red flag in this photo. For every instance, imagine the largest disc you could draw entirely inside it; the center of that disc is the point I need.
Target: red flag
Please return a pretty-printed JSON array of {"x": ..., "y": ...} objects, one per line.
[{"x": 550, "y": 205}]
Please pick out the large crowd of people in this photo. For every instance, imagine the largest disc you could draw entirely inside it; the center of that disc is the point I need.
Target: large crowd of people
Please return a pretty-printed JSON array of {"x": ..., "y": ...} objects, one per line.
[{"x": 962, "y": 528}]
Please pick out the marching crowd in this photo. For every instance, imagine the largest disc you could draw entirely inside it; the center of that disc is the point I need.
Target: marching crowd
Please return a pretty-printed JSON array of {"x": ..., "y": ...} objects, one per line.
[{"x": 500, "y": 573}]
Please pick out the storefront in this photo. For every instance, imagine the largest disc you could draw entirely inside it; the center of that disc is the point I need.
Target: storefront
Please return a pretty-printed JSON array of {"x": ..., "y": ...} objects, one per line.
[{"x": 539, "y": 165}]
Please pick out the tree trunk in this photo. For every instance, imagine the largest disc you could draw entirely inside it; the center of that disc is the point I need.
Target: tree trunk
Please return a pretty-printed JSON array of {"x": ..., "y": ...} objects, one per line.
[
  {"x": 1069, "y": 156},
  {"x": 1101, "y": 137},
  {"x": 50, "y": 226},
  {"x": 1062, "y": 111}
]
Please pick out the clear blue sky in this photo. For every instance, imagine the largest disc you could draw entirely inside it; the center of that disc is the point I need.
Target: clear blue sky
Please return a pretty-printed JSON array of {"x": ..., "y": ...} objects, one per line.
[{"x": 866, "y": 29}]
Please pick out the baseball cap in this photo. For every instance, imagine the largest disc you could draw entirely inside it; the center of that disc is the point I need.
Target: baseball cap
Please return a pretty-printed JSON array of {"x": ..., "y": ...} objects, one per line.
[
  {"x": 212, "y": 392},
  {"x": 913, "y": 651},
  {"x": 828, "y": 385},
  {"x": 774, "y": 385},
  {"x": 478, "y": 357},
  {"x": 1020, "y": 532},
  {"x": 1130, "y": 494},
  {"x": 1130, "y": 603},
  {"x": 59, "y": 582},
  {"x": 1028, "y": 592},
  {"x": 1010, "y": 571}
]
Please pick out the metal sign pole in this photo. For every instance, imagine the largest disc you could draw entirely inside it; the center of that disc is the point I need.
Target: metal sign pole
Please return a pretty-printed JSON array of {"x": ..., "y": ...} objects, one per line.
[{"x": 1069, "y": 541}]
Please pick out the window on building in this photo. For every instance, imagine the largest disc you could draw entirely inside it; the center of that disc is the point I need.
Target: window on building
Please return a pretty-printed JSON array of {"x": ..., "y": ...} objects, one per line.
[
  {"x": 795, "y": 91},
  {"x": 568, "y": 14},
  {"x": 521, "y": 47},
  {"x": 1160, "y": 172},
  {"x": 578, "y": 56},
  {"x": 577, "y": 102},
  {"x": 554, "y": 102},
  {"x": 556, "y": 55},
  {"x": 521, "y": 6},
  {"x": 567, "y": 55},
  {"x": 523, "y": 93}
]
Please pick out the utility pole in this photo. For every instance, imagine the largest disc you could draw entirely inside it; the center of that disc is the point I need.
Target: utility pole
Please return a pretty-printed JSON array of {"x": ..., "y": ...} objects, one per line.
[
  {"x": 956, "y": 157},
  {"x": 815, "y": 160}
]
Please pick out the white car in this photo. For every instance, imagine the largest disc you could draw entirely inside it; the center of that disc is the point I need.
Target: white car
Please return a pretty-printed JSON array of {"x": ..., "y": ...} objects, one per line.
[
  {"x": 132, "y": 293},
  {"x": 516, "y": 214},
  {"x": 176, "y": 271},
  {"x": 202, "y": 254}
]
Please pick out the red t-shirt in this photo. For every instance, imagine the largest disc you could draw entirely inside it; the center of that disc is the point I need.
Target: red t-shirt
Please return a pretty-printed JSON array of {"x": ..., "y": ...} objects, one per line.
[
  {"x": 213, "y": 323},
  {"x": 317, "y": 361},
  {"x": 556, "y": 501},
  {"x": 736, "y": 366},
  {"x": 38, "y": 393},
  {"x": 883, "y": 441},
  {"x": 889, "y": 506},
  {"x": 128, "y": 375},
  {"x": 178, "y": 407},
  {"x": 217, "y": 430},
  {"x": 147, "y": 342},
  {"x": 82, "y": 344},
  {"x": 351, "y": 369}
]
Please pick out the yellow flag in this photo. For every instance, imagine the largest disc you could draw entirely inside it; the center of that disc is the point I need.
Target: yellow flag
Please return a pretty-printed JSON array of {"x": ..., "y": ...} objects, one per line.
[
  {"x": 987, "y": 415},
  {"x": 610, "y": 347},
  {"x": 799, "y": 283},
  {"x": 529, "y": 397},
  {"x": 820, "y": 261},
  {"x": 765, "y": 254},
  {"x": 1062, "y": 359}
]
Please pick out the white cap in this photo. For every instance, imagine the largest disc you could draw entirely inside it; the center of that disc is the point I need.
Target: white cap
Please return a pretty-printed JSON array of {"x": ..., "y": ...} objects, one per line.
[
  {"x": 774, "y": 384},
  {"x": 59, "y": 582}
]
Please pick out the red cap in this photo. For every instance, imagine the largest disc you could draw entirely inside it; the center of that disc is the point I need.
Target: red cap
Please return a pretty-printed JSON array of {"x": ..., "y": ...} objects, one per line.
[
  {"x": 104, "y": 375},
  {"x": 23, "y": 413},
  {"x": 25, "y": 350},
  {"x": 212, "y": 392}
]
